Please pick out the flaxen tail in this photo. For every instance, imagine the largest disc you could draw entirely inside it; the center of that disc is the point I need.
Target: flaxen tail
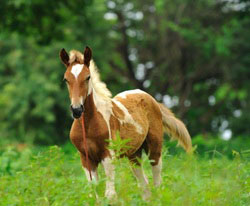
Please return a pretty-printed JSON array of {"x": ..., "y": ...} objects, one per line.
[{"x": 175, "y": 128}]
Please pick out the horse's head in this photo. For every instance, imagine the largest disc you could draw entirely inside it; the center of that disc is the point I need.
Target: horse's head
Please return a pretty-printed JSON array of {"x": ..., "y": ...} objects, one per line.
[{"x": 77, "y": 77}]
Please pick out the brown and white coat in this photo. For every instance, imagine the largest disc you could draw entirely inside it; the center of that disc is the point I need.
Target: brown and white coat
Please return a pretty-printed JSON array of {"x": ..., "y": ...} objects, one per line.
[{"x": 134, "y": 114}]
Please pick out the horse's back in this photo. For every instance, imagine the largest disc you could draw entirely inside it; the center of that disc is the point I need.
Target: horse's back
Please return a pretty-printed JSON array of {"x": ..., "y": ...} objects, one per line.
[{"x": 139, "y": 102}]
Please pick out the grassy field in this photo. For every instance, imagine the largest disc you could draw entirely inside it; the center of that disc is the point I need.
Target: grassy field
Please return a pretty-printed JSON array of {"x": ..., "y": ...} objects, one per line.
[{"x": 53, "y": 176}]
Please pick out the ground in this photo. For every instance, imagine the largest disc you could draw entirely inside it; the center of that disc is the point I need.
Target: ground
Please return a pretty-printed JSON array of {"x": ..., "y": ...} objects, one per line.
[{"x": 53, "y": 176}]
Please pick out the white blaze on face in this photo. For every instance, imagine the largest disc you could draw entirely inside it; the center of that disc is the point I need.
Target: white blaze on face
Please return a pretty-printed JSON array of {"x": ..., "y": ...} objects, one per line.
[{"x": 76, "y": 69}]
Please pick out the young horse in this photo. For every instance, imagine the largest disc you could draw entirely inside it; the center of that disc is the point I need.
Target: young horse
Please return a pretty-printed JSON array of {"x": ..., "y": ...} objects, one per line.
[{"x": 135, "y": 114}]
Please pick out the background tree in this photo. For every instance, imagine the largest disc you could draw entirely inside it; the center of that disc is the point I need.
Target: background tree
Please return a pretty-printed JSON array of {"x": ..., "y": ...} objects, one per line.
[{"x": 192, "y": 55}]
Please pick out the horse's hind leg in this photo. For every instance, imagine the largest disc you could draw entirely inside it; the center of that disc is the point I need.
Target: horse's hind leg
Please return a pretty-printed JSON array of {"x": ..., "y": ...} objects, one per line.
[
  {"x": 156, "y": 169},
  {"x": 154, "y": 142},
  {"x": 138, "y": 172}
]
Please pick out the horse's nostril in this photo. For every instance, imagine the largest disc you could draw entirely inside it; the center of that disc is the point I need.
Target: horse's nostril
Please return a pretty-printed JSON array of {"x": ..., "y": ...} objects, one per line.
[{"x": 77, "y": 112}]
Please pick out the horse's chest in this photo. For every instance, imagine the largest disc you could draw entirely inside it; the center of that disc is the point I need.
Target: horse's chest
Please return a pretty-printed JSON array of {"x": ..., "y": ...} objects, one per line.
[
  {"x": 96, "y": 135},
  {"x": 96, "y": 145}
]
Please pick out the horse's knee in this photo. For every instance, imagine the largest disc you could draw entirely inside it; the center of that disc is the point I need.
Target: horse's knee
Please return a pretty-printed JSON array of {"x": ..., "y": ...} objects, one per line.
[{"x": 155, "y": 156}]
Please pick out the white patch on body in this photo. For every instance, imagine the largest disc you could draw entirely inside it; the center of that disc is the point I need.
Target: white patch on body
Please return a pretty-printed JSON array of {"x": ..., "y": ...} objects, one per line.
[
  {"x": 101, "y": 95},
  {"x": 143, "y": 181},
  {"x": 76, "y": 69},
  {"x": 127, "y": 117},
  {"x": 104, "y": 108},
  {"x": 157, "y": 173},
  {"x": 110, "y": 173},
  {"x": 125, "y": 93}
]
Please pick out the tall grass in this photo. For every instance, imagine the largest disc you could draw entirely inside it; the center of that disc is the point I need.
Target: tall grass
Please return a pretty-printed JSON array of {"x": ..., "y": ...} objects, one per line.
[{"x": 55, "y": 177}]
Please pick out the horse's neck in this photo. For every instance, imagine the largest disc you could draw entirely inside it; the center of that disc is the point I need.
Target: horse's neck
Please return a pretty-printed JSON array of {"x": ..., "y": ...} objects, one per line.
[{"x": 97, "y": 112}]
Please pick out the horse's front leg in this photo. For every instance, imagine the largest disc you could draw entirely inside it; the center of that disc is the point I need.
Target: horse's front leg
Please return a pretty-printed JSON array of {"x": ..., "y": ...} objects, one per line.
[
  {"x": 93, "y": 168},
  {"x": 109, "y": 169}
]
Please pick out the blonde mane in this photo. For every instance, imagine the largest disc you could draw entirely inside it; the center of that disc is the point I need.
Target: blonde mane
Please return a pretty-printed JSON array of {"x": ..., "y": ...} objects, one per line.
[{"x": 99, "y": 86}]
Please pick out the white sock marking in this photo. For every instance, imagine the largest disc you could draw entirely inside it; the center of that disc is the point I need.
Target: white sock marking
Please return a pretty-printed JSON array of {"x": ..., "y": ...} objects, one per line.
[
  {"x": 143, "y": 181},
  {"x": 140, "y": 176},
  {"x": 110, "y": 173},
  {"x": 93, "y": 173},
  {"x": 76, "y": 69},
  {"x": 157, "y": 173}
]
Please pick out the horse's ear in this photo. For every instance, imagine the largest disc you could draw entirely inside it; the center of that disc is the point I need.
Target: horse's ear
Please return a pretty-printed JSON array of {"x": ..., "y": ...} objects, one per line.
[
  {"x": 87, "y": 56},
  {"x": 64, "y": 57}
]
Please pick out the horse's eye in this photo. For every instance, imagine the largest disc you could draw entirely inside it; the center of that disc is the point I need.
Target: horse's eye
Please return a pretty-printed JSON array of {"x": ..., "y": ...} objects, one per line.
[{"x": 88, "y": 78}]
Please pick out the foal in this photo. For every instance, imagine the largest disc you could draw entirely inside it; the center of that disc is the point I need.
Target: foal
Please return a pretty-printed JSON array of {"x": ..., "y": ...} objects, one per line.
[{"x": 134, "y": 114}]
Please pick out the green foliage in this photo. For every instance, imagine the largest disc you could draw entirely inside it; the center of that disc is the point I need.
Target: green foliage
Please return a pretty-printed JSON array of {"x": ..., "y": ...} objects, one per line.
[
  {"x": 190, "y": 51},
  {"x": 208, "y": 147},
  {"x": 9, "y": 157},
  {"x": 118, "y": 145},
  {"x": 53, "y": 177},
  {"x": 32, "y": 101}
]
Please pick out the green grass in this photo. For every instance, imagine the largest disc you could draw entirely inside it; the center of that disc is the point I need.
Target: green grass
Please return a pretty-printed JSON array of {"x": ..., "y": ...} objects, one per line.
[{"x": 55, "y": 177}]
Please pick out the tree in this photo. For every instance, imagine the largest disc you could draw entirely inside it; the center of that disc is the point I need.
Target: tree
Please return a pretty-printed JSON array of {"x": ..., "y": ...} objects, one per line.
[
  {"x": 182, "y": 52},
  {"x": 192, "y": 55}
]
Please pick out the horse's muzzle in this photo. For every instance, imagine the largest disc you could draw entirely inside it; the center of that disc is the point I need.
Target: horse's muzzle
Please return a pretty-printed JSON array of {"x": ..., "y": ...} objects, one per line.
[{"x": 77, "y": 112}]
